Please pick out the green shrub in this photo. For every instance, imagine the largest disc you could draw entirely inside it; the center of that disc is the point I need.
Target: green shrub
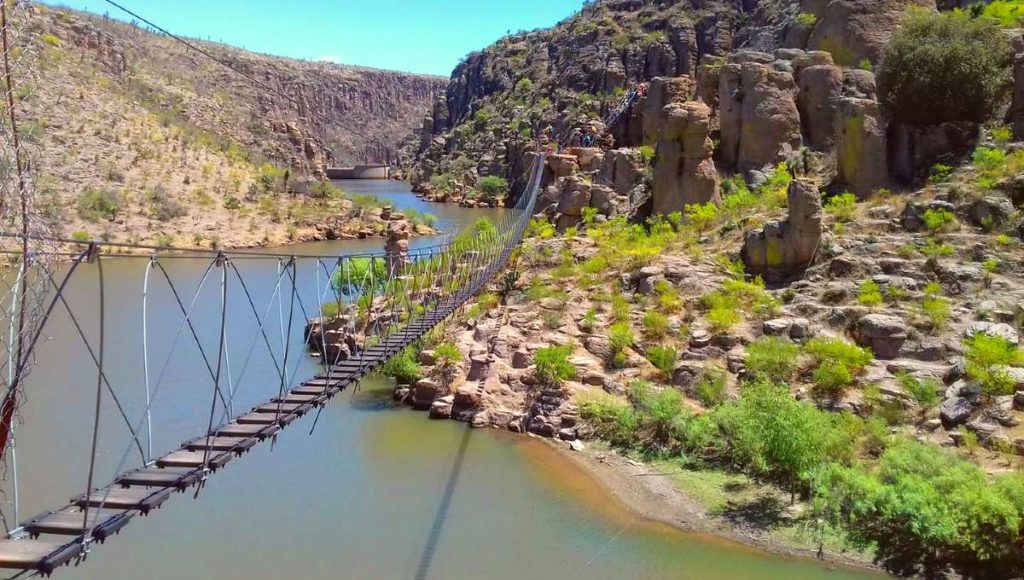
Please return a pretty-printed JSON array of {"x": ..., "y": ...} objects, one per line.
[
  {"x": 934, "y": 307},
  {"x": 924, "y": 392},
  {"x": 702, "y": 216},
  {"x": 660, "y": 412},
  {"x": 621, "y": 336},
  {"x": 99, "y": 204},
  {"x": 589, "y": 320},
  {"x": 772, "y": 358},
  {"x": 842, "y": 207},
  {"x": 493, "y": 188},
  {"x": 939, "y": 173},
  {"x": 553, "y": 366},
  {"x": 923, "y": 510},
  {"x": 987, "y": 359},
  {"x": 663, "y": 358},
  {"x": 711, "y": 388},
  {"x": 540, "y": 228},
  {"x": 655, "y": 324},
  {"x": 403, "y": 367},
  {"x": 612, "y": 419},
  {"x": 944, "y": 68},
  {"x": 647, "y": 154},
  {"x": 837, "y": 364},
  {"x": 81, "y": 236},
  {"x": 939, "y": 220},
  {"x": 1009, "y": 13},
  {"x": 869, "y": 293}
]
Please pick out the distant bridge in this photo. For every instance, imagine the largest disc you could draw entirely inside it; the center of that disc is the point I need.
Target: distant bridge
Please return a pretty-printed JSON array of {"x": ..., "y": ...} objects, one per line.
[{"x": 359, "y": 172}]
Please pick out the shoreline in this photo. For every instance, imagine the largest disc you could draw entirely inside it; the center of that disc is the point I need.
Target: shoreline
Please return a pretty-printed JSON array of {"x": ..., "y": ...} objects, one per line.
[{"x": 642, "y": 491}]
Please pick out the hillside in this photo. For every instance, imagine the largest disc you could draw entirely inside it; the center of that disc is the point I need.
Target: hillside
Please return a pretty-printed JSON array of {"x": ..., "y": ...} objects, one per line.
[
  {"x": 139, "y": 137},
  {"x": 796, "y": 262}
]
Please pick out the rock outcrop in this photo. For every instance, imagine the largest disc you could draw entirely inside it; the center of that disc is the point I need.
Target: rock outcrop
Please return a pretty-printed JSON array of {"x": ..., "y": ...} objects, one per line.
[
  {"x": 861, "y": 152},
  {"x": 760, "y": 122},
  {"x": 854, "y": 31},
  {"x": 783, "y": 249},
  {"x": 684, "y": 172}
]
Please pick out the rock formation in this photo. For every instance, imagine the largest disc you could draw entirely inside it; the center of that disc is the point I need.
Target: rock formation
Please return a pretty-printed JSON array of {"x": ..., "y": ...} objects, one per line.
[
  {"x": 684, "y": 172},
  {"x": 396, "y": 247},
  {"x": 856, "y": 30},
  {"x": 783, "y": 249},
  {"x": 760, "y": 122},
  {"x": 861, "y": 152}
]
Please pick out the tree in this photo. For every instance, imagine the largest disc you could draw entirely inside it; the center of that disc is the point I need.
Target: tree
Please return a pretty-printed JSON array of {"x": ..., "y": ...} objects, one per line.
[{"x": 945, "y": 67}]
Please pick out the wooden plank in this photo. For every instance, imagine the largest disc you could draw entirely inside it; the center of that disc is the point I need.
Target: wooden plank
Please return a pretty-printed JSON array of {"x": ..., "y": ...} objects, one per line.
[
  {"x": 134, "y": 498},
  {"x": 176, "y": 477},
  {"x": 315, "y": 390},
  {"x": 185, "y": 458},
  {"x": 282, "y": 408},
  {"x": 44, "y": 556},
  {"x": 265, "y": 419},
  {"x": 68, "y": 522},
  {"x": 223, "y": 443},
  {"x": 240, "y": 430},
  {"x": 293, "y": 397}
]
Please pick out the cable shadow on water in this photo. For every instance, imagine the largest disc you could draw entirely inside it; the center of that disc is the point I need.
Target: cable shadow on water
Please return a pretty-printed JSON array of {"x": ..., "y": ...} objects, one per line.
[{"x": 442, "y": 509}]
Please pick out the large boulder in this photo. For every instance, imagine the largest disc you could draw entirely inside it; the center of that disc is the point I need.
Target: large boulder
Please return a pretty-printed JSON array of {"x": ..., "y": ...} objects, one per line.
[
  {"x": 820, "y": 88},
  {"x": 857, "y": 30},
  {"x": 883, "y": 334},
  {"x": 783, "y": 249},
  {"x": 575, "y": 196},
  {"x": 760, "y": 122},
  {"x": 861, "y": 153},
  {"x": 955, "y": 411},
  {"x": 661, "y": 93},
  {"x": 621, "y": 170},
  {"x": 684, "y": 172}
]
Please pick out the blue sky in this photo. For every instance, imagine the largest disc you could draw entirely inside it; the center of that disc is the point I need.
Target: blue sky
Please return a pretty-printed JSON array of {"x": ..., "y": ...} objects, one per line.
[{"x": 424, "y": 36}]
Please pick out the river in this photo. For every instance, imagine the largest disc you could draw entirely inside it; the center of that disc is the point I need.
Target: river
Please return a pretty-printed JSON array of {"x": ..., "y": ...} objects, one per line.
[{"x": 372, "y": 493}]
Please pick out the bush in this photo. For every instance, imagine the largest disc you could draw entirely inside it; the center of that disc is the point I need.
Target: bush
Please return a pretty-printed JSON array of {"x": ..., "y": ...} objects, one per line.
[
  {"x": 403, "y": 367},
  {"x": 925, "y": 392},
  {"x": 939, "y": 220},
  {"x": 81, "y": 236},
  {"x": 987, "y": 359},
  {"x": 923, "y": 510},
  {"x": 869, "y": 293},
  {"x": 553, "y": 366},
  {"x": 663, "y": 358},
  {"x": 934, "y": 307},
  {"x": 842, "y": 207},
  {"x": 772, "y": 358},
  {"x": 945, "y": 67},
  {"x": 837, "y": 363},
  {"x": 493, "y": 188},
  {"x": 99, "y": 204},
  {"x": 711, "y": 388},
  {"x": 655, "y": 324},
  {"x": 660, "y": 413},
  {"x": 621, "y": 335},
  {"x": 612, "y": 419}
]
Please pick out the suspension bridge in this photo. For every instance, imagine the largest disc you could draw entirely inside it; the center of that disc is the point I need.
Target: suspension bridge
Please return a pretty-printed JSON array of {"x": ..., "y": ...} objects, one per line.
[{"x": 399, "y": 299}]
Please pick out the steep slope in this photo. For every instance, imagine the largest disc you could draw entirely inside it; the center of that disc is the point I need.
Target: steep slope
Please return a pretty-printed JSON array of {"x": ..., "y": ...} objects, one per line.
[
  {"x": 572, "y": 73},
  {"x": 138, "y": 135}
]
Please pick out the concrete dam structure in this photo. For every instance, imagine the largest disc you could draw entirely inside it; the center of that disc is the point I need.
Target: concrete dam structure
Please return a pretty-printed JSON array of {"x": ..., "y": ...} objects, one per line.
[{"x": 359, "y": 172}]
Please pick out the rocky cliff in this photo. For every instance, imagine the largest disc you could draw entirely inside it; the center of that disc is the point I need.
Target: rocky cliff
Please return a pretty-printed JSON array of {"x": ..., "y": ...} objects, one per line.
[
  {"x": 780, "y": 79},
  {"x": 123, "y": 117}
]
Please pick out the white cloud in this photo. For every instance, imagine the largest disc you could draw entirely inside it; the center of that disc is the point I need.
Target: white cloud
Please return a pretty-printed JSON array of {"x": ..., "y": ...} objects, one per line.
[{"x": 331, "y": 59}]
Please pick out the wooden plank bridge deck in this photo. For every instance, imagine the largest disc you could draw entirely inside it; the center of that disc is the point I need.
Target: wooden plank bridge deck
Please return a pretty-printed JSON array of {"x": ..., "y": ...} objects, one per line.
[{"x": 55, "y": 538}]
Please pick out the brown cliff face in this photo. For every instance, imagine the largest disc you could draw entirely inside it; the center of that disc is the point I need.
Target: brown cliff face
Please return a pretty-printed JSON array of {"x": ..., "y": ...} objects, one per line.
[
  {"x": 317, "y": 113},
  {"x": 138, "y": 137}
]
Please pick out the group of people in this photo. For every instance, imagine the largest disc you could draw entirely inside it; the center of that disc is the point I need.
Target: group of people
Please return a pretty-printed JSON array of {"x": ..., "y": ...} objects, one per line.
[{"x": 589, "y": 135}]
